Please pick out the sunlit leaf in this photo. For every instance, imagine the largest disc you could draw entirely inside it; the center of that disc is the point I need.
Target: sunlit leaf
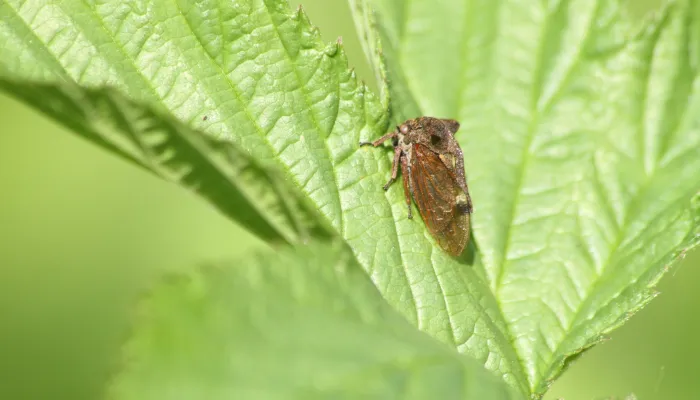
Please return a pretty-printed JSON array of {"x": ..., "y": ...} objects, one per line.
[
  {"x": 581, "y": 134},
  {"x": 267, "y": 84},
  {"x": 580, "y": 130}
]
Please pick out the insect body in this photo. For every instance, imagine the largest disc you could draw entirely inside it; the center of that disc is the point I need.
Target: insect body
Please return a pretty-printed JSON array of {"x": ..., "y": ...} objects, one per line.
[{"x": 432, "y": 166}]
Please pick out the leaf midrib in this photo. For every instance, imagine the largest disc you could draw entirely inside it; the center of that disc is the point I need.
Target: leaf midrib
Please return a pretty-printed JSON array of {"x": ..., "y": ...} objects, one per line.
[
  {"x": 522, "y": 378},
  {"x": 622, "y": 229},
  {"x": 536, "y": 111}
]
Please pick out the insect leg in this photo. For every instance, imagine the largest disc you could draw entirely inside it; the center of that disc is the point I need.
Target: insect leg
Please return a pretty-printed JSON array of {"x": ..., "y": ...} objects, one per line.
[
  {"x": 407, "y": 187},
  {"x": 381, "y": 140},
  {"x": 394, "y": 167}
]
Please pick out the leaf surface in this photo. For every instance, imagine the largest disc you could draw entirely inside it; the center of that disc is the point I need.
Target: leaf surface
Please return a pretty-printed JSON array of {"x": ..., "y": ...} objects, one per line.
[
  {"x": 305, "y": 322},
  {"x": 581, "y": 134},
  {"x": 269, "y": 86}
]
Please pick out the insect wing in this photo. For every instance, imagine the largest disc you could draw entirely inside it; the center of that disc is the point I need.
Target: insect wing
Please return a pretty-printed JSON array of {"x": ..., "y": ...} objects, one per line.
[{"x": 437, "y": 196}]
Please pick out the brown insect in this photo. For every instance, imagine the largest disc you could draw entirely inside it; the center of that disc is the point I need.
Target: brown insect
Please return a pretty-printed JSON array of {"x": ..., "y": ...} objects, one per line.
[{"x": 432, "y": 166}]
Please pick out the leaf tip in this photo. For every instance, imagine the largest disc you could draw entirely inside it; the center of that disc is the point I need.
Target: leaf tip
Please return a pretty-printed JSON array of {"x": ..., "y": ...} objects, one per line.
[
  {"x": 303, "y": 18},
  {"x": 300, "y": 14},
  {"x": 336, "y": 48}
]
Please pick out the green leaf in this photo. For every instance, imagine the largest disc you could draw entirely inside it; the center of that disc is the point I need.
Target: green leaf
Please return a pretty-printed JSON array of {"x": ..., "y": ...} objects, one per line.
[
  {"x": 581, "y": 140},
  {"x": 269, "y": 86},
  {"x": 250, "y": 191},
  {"x": 261, "y": 76},
  {"x": 303, "y": 321},
  {"x": 581, "y": 136},
  {"x": 378, "y": 48}
]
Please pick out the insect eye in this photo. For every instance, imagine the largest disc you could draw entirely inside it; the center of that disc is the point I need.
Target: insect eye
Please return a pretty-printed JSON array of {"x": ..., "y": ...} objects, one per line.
[
  {"x": 435, "y": 140},
  {"x": 403, "y": 129}
]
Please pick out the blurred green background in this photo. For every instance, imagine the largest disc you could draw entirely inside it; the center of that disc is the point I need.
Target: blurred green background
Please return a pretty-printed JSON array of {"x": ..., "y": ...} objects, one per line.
[{"x": 82, "y": 233}]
